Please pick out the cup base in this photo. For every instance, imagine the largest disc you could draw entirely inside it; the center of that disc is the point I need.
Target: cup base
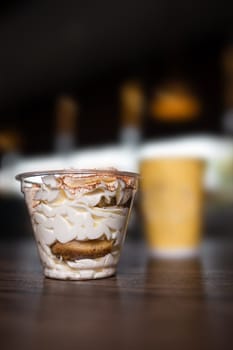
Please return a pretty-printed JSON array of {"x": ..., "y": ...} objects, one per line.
[
  {"x": 79, "y": 275},
  {"x": 178, "y": 253}
]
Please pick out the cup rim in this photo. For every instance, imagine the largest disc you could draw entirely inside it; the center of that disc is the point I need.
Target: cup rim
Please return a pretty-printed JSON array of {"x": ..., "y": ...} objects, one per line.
[{"x": 23, "y": 176}]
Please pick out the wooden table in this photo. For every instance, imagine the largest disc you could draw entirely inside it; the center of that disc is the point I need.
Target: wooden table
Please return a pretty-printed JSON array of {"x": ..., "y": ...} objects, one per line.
[{"x": 149, "y": 305}]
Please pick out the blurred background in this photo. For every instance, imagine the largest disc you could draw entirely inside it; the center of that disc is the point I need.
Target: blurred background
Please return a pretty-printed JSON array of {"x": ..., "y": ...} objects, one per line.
[{"x": 87, "y": 84}]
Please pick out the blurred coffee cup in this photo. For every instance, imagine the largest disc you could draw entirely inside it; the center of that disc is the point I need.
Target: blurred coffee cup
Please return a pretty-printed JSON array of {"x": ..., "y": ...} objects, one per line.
[{"x": 172, "y": 200}]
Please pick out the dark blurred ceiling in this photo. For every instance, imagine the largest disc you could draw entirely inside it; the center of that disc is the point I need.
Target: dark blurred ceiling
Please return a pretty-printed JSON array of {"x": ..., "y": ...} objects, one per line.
[{"x": 47, "y": 43}]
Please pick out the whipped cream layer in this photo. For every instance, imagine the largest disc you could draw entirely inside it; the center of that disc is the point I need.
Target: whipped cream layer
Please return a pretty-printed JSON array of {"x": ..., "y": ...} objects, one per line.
[{"x": 64, "y": 214}]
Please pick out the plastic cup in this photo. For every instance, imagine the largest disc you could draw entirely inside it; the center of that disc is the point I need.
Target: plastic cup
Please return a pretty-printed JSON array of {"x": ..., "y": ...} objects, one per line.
[{"x": 79, "y": 218}]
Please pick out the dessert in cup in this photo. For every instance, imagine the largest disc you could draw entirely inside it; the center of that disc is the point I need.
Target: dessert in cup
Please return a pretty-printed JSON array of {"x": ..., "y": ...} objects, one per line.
[{"x": 79, "y": 218}]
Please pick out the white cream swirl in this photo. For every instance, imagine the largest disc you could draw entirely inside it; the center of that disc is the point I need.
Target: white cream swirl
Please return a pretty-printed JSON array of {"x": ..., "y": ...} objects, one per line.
[{"x": 64, "y": 215}]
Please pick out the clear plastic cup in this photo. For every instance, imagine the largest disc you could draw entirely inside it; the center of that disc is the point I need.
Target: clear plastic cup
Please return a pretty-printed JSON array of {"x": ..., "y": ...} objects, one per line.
[{"x": 79, "y": 218}]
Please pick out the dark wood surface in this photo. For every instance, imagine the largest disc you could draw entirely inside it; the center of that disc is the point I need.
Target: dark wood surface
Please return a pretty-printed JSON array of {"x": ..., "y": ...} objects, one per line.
[{"x": 150, "y": 304}]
